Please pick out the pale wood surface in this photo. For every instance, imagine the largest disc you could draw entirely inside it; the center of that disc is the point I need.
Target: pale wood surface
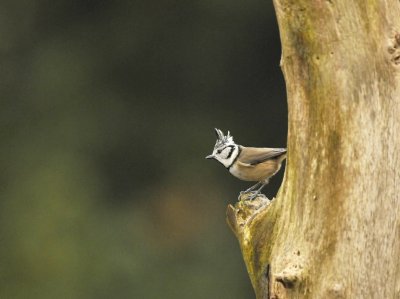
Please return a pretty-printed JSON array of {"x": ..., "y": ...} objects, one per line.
[{"x": 334, "y": 229}]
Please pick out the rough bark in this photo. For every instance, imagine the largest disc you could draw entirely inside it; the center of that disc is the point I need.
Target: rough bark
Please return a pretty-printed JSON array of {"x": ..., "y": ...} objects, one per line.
[{"x": 333, "y": 230}]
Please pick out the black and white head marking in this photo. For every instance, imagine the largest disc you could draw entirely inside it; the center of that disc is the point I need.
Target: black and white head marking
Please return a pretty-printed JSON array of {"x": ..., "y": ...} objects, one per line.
[{"x": 225, "y": 150}]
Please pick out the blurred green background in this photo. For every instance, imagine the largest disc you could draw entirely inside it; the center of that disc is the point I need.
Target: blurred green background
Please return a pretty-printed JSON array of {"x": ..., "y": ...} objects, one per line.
[{"x": 107, "y": 112}]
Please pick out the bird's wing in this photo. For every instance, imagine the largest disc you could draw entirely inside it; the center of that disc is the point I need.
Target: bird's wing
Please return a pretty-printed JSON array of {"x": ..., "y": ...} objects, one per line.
[{"x": 256, "y": 155}]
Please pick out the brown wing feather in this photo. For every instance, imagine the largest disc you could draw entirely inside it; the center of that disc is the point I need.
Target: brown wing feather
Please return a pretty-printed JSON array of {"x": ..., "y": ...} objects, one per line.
[{"x": 256, "y": 155}]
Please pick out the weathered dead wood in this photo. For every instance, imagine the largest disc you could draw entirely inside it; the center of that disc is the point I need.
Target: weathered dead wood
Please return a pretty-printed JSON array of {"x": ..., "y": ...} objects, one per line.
[{"x": 334, "y": 229}]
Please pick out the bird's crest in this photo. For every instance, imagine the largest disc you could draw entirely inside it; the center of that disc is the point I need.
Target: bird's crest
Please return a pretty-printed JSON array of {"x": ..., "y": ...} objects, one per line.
[{"x": 222, "y": 139}]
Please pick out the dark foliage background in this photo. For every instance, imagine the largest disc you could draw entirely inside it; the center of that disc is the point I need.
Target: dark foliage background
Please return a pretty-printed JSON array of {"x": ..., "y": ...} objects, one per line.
[{"x": 107, "y": 112}]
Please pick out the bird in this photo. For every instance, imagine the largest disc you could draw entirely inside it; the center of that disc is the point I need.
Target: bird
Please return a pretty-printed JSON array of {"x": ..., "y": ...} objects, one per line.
[{"x": 257, "y": 164}]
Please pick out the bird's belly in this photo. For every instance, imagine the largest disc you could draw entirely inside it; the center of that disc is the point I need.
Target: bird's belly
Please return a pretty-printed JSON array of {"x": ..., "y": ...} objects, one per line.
[{"x": 255, "y": 173}]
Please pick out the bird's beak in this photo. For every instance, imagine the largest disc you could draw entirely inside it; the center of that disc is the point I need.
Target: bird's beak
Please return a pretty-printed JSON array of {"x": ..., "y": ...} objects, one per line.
[{"x": 210, "y": 157}]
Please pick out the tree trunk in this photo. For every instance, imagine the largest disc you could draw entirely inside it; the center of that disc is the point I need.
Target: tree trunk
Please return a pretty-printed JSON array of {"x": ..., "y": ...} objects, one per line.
[{"x": 333, "y": 230}]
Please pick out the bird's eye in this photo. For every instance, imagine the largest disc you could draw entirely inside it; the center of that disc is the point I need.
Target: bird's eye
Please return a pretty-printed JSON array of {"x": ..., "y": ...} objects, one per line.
[{"x": 219, "y": 151}]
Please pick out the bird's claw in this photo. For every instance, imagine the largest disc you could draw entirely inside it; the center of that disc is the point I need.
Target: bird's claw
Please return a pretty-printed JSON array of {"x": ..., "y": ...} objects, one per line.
[{"x": 252, "y": 195}]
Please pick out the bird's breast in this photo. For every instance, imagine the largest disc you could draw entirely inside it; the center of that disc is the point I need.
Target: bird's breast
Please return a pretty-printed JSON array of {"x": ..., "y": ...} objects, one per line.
[{"x": 255, "y": 173}]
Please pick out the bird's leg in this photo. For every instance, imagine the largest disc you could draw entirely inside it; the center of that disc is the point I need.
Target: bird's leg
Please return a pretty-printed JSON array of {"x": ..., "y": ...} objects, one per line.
[
  {"x": 251, "y": 188},
  {"x": 255, "y": 194}
]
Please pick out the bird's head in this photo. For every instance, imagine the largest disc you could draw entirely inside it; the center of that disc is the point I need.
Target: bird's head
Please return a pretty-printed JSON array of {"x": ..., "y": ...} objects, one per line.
[{"x": 225, "y": 149}]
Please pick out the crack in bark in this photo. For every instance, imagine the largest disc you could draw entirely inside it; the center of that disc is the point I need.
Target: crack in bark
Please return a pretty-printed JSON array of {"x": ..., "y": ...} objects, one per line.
[{"x": 268, "y": 281}]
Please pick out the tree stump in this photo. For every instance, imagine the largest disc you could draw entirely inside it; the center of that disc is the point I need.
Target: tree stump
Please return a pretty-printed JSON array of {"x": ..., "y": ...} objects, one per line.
[{"x": 333, "y": 230}]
